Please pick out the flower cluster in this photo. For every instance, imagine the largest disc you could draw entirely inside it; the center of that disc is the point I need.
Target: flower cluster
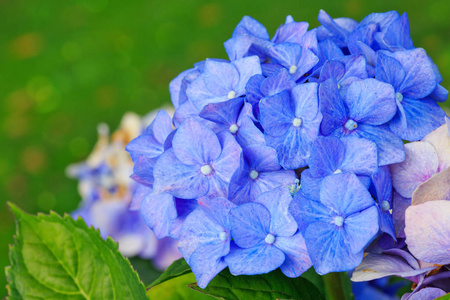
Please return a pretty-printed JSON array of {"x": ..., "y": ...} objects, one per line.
[
  {"x": 280, "y": 156},
  {"x": 107, "y": 191}
]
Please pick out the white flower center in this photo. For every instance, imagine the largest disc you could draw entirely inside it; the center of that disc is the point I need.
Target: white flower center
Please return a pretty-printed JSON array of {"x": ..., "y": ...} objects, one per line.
[
  {"x": 297, "y": 122},
  {"x": 399, "y": 97},
  {"x": 351, "y": 125},
  {"x": 293, "y": 69},
  {"x": 223, "y": 236},
  {"x": 254, "y": 174},
  {"x": 233, "y": 128},
  {"x": 338, "y": 221},
  {"x": 269, "y": 239},
  {"x": 206, "y": 169},
  {"x": 337, "y": 171},
  {"x": 385, "y": 206},
  {"x": 231, "y": 94}
]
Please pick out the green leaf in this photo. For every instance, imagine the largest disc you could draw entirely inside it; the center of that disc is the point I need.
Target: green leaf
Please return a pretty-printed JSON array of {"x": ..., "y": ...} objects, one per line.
[
  {"x": 176, "y": 289},
  {"x": 57, "y": 257},
  {"x": 176, "y": 269},
  {"x": 445, "y": 297},
  {"x": 274, "y": 285},
  {"x": 146, "y": 270}
]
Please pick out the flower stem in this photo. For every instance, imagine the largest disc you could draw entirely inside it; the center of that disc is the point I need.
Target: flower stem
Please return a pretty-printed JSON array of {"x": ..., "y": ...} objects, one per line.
[{"x": 335, "y": 287}]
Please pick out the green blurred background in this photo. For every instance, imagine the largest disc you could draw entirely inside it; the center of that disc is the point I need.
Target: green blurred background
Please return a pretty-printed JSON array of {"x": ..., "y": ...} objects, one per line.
[{"x": 65, "y": 66}]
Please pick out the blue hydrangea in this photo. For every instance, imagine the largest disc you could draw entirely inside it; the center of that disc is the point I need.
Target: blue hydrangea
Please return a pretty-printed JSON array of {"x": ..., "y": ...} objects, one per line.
[{"x": 325, "y": 107}]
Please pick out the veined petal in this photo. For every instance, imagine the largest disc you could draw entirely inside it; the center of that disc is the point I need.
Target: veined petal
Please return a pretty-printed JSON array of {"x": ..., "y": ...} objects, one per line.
[
  {"x": 421, "y": 162},
  {"x": 195, "y": 144},
  {"x": 297, "y": 257},
  {"x": 277, "y": 113},
  {"x": 259, "y": 259},
  {"x": 427, "y": 230},
  {"x": 371, "y": 101}
]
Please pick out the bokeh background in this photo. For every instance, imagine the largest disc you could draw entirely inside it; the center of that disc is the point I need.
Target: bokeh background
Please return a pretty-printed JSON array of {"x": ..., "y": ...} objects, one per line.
[{"x": 65, "y": 66}]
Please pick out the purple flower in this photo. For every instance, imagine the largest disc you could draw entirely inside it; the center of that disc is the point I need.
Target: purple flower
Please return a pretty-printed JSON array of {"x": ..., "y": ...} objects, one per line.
[
  {"x": 364, "y": 112},
  {"x": 222, "y": 80},
  {"x": 205, "y": 238},
  {"x": 338, "y": 225},
  {"x": 411, "y": 74},
  {"x": 291, "y": 123},
  {"x": 198, "y": 163},
  {"x": 259, "y": 172},
  {"x": 266, "y": 237}
]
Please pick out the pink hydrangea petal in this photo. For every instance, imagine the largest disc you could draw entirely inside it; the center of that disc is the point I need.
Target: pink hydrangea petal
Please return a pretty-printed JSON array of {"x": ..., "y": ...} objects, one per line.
[
  {"x": 421, "y": 162},
  {"x": 435, "y": 188},
  {"x": 440, "y": 140},
  {"x": 427, "y": 229}
]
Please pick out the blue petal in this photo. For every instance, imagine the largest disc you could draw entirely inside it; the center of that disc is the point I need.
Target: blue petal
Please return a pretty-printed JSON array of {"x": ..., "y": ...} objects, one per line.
[
  {"x": 159, "y": 211},
  {"x": 282, "y": 223},
  {"x": 143, "y": 170},
  {"x": 345, "y": 194},
  {"x": 286, "y": 54},
  {"x": 328, "y": 249},
  {"x": 420, "y": 80},
  {"x": 146, "y": 145},
  {"x": 306, "y": 211},
  {"x": 439, "y": 94},
  {"x": 160, "y": 127},
  {"x": 228, "y": 161},
  {"x": 246, "y": 67},
  {"x": 217, "y": 208},
  {"x": 399, "y": 206},
  {"x": 332, "y": 69},
  {"x": 291, "y": 32},
  {"x": 361, "y": 227},
  {"x": 332, "y": 107},
  {"x": 310, "y": 186},
  {"x": 182, "y": 181},
  {"x": 422, "y": 117},
  {"x": 206, "y": 263},
  {"x": 339, "y": 34},
  {"x": 220, "y": 77},
  {"x": 277, "y": 113},
  {"x": 398, "y": 33},
  {"x": 260, "y": 259},
  {"x": 390, "y": 147},
  {"x": 382, "y": 184},
  {"x": 371, "y": 101},
  {"x": 327, "y": 154},
  {"x": 261, "y": 158},
  {"x": 389, "y": 70},
  {"x": 253, "y": 89},
  {"x": 248, "y": 134},
  {"x": 195, "y": 144},
  {"x": 293, "y": 148},
  {"x": 200, "y": 95},
  {"x": 363, "y": 34},
  {"x": 141, "y": 192},
  {"x": 278, "y": 82},
  {"x": 225, "y": 113},
  {"x": 200, "y": 232},
  {"x": 360, "y": 156},
  {"x": 185, "y": 111},
  {"x": 306, "y": 101},
  {"x": 386, "y": 222},
  {"x": 253, "y": 27},
  {"x": 329, "y": 50},
  {"x": 297, "y": 257},
  {"x": 250, "y": 223}
]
